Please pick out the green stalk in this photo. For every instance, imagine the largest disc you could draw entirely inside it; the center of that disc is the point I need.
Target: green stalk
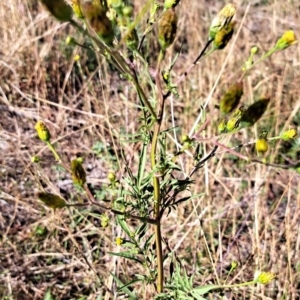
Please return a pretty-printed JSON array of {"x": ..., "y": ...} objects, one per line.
[
  {"x": 156, "y": 183},
  {"x": 119, "y": 62},
  {"x": 157, "y": 200},
  {"x": 53, "y": 151}
]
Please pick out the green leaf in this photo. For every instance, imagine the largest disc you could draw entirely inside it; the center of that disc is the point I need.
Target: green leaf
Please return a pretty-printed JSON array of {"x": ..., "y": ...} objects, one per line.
[
  {"x": 197, "y": 296},
  {"x": 52, "y": 200},
  {"x": 140, "y": 232},
  {"x": 142, "y": 164},
  {"x": 206, "y": 288},
  {"x": 124, "y": 287},
  {"x": 127, "y": 255},
  {"x": 48, "y": 295},
  {"x": 124, "y": 226}
]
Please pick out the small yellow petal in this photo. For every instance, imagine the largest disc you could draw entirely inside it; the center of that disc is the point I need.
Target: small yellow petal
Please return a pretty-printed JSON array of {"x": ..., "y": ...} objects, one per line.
[
  {"x": 286, "y": 40},
  {"x": 289, "y": 134},
  {"x": 119, "y": 241},
  {"x": 264, "y": 277}
]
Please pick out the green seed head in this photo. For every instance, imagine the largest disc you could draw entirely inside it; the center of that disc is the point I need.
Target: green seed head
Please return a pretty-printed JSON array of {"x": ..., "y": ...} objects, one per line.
[
  {"x": 222, "y": 19},
  {"x": 59, "y": 9},
  {"x": 231, "y": 98},
  {"x": 223, "y": 36},
  {"x": 78, "y": 172},
  {"x": 167, "y": 28}
]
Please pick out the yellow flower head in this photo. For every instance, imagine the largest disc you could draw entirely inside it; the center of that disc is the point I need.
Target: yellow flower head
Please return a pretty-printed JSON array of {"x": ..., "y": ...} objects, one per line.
[
  {"x": 222, "y": 127},
  {"x": 111, "y": 176},
  {"x": 289, "y": 134},
  {"x": 222, "y": 19},
  {"x": 42, "y": 131},
  {"x": 286, "y": 40},
  {"x": 261, "y": 144},
  {"x": 104, "y": 220},
  {"x": 76, "y": 57},
  {"x": 234, "y": 122},
  {"x": 264, "y": 277},
  {"x": 119, "y": 241}
]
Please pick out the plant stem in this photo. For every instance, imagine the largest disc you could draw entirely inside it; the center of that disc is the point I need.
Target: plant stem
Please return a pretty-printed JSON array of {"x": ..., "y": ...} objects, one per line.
[
  {"x": 156, "y": 183},
  {"x": 53, "y": 151}
]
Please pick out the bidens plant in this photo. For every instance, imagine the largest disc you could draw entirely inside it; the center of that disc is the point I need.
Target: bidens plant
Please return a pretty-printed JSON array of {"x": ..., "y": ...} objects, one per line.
[{"x": 148, "y": 195}]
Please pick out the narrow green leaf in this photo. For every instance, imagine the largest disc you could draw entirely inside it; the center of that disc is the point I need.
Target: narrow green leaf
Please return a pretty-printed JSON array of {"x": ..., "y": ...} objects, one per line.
[
  {"x": 124, "y": 287},
  {"x": 126, "y": 255},
  {"x": 142, "y": 164},
  {"x": 140, "y": 232},
  {"x": 124, "y": 225},
  {"x": 197, "y": 296},
  {"x": 48, "y": 295},
  {"x": 206, "y": 288}
]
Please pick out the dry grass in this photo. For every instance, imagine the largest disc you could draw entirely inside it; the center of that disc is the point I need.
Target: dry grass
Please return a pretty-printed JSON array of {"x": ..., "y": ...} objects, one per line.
[{"x": 249, "y": 213}]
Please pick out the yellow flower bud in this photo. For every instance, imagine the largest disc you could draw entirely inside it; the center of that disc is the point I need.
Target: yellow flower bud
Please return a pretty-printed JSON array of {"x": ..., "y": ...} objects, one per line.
[
  {"x": 52, "y": 200},
  {"x": 234, "y": 264},
  {"x": 104, "y": 220},
  {"x": 76, "y": 57},
  {"x": 35, "y": 159},
  {"x": 70, "y": 40},
  {"x": 127, "y": 11},
  {"x": 78, "y": 172},
  {"x": 59, "y": 9},
  {"x": 167, "y": 28},
  {"x": 232, "y": 98},
  {"x": 222, "y": 19},
  {"x": 254, "y": 50},
  {"x": 289, "y": 134},
  {"x": 223, "y": 36},
  {"x": 286, "y": 40},
  {"x": 111, "y": 176},
  {"x": 42, "y": 131},
  {"x": 264, "y": 277}
]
